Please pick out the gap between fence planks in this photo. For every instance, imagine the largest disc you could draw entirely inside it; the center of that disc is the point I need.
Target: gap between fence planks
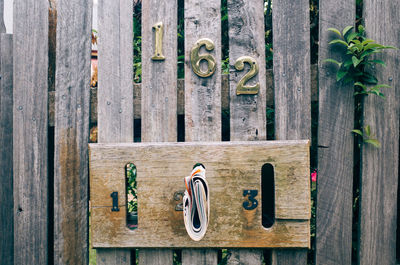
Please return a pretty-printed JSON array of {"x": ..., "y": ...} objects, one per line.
[
  {"x": 6, "y": 147},
  {"x": 379, "y": 172},
  {"x": 115, "y": 87},
  {"x": 335, "y": 155},
  {"x": 159, "y": 94},
  {"x": 137, "y": 95},
  {"x": 247, "y": 112},
  {"x": 291, "y": 62},
  {"x": 30, "y": 132},
  {"x": 72, "y": 101},
  {"x": 202, "y": 95}
]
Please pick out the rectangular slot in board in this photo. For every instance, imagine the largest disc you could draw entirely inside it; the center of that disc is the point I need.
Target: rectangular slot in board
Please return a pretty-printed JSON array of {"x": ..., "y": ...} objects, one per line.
[{"x": 231, "y": 169}]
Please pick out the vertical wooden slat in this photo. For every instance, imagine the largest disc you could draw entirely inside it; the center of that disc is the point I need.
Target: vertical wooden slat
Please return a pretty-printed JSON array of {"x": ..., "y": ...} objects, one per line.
[
  {"x": 247, "y": 112},
  {"x": 202, "y": 94},
  {"x": 74, "y": 21},
  {"x": 380, "y": 165},
  {"x": 291, "y": 42},
  {"x": 6, "y": 147},
  {"x": 159, "y": 90},
  {"x": 30, "y": 131},
  {"x": 2, "y": 25},
  {"x": 115, "y": 87},
  {"x": 335, "y": 141}
]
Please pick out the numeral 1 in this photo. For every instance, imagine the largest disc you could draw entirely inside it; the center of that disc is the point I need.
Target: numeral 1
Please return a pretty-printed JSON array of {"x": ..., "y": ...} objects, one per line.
[
  {"x": 114, "y": 197},
  {"x": 158, "y": 29}
]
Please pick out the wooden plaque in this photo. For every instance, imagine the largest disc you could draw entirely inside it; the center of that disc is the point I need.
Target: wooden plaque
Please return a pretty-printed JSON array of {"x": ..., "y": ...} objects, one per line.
[{"x": 231, "y": 168}]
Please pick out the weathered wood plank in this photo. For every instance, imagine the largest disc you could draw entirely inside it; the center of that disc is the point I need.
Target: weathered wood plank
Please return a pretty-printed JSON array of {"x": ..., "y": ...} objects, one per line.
[
  {"x": 2, "y": 25},
  {"x": 159, "y": 88},
  {"x": 335, "y": 155},
  {"x": 115, "y": 87},
  {"x": 159, "y": 77},
  {"x": 115, "y": 68},
  {"x": 247, "y": 112},
  {"x": 72, "y": 103},
  {"x": 380, "y": 165},
  {"x": 6, "y": 147},
  {"x": 291, "y": 42},
  {"x": 30, "y": 131},
  {"x": 202, "y": 94},
  {"x": 166, "y": 165}
]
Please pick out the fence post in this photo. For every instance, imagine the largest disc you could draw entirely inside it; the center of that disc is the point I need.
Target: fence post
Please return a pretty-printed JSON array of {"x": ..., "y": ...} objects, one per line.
[
  {"x": 30, "y": 131},
  {"x": 72, "y": 102},
  {"x": 202, "y": 94},
  {"x": 115, "y": 89},
  {"x": 291, "y": 42},
  {"x": 335, "y": 141},
  {"x": 379, "y": 172},
  {"x": 247, "y": 112},
  {"x": 6, "y": 147}
]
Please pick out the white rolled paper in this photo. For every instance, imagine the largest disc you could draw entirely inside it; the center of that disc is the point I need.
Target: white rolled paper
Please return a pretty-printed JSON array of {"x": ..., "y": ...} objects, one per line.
[{"x": 196, "y": 203}]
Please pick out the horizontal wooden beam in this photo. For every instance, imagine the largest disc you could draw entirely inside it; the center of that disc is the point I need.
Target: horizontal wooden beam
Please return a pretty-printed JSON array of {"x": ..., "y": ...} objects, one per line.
[
  {"x": 181, "y": 96},
  {"x": 232, "y": 167}
]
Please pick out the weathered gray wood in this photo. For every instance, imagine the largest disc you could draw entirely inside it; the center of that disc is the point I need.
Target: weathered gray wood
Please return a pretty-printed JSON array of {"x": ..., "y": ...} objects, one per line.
[
  {"x": 291, "y": 42},
  {"x": 335, "y": 155},
  {"x": 380, "y": 165},
  {"x": 30, "y": 131},
  {"x": 159, "y": 90},
  {"x": 159, "y": 77},
  {"x": 247, "y": 112},
  {"x": 115, "y": 87},
  {"x": 113, "y": 256},
  {"x": 115, "y": 70},
  {"x": 71, "y": 178},
  {"x": 2, "y": 25},
  {"x": 246, "y": 38},
  {"x": 6, "y": 154},
  {"x": 202, "y": 95}
]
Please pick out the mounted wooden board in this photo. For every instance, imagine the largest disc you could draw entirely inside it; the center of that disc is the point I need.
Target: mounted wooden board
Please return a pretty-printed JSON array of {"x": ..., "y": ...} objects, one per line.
[{"x": 231, "y": 168}]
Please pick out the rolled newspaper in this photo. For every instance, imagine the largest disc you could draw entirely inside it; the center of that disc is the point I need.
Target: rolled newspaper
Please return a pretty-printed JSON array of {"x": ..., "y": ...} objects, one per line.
[{"x": 196, "y": 203}]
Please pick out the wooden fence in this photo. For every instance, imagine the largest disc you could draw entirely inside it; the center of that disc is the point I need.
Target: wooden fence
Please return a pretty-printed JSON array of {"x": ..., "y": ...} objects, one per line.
[{"x": 44, "y": 210}]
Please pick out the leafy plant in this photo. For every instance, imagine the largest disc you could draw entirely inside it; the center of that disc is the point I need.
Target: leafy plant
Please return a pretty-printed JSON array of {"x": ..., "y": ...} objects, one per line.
[
  {"x": 356, "y": 68},
  {"x": 131, "y": 187}
]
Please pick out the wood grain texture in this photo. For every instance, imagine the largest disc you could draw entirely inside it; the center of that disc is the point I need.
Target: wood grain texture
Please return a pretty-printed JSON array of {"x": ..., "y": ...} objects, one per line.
[
  {"x": 335, "y": 155},
  {"x": 2, "y": 25},
  {"x": 166, "y": 164},
  {"x": 6, "y": 147},
  {"x": 202, "y": 95},
  {"x": 246, "y": 38},
  {"x": 115, "y": 71},
  {"x": 159, "y": 78},
  {"x": 30, "y": 131},
  {"x": 291, "y": 42},
  {"x": 380, "y": 165},
  {"x": 71, "y": 180},
  {"x": 115, "y": 87},
  {"x": 247, "y": 112},
  {"x": 159, "y": 91}
]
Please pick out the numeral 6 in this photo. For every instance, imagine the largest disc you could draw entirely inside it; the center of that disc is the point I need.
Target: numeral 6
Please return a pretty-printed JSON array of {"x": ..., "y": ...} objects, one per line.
[{"x": 196, "y": 58}]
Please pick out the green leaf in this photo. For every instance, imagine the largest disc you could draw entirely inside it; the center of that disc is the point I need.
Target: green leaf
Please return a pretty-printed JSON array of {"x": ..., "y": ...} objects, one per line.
[
  {"x": 347, "y": 29},
  {"x": 351, "y": 36},
  {"x": 374, "y": 142},
  {"x": 340, "y": 74},
  {"x": 373, "y": 45},
  {"x": 367, "y": 130},
  {"x": 348, "y": 63},
  {"x": 335, "y": 31},
  {"x": 356, "y": 131},
  {"x": 332, "y": 61},
  {"x": 370, "y": 79},
  {"x": 378, "y": 62},
  {"x": 360, "y": 85},
  {"x": 365, "y": 42},
  {"x": 389, "y": 47},
  {"x": 355, "y": 61},
  {"x": 340, "y": 42},
  {"x": 381, "y": 86}
]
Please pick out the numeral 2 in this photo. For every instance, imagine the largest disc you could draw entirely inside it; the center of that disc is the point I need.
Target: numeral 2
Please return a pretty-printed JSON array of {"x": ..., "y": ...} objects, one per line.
[
  {"x": 114, "y": 197},
  {"x": 158, "y": 29},
  {"x": 242, "y": 88},
  {"x": 251, "y": 194}
]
